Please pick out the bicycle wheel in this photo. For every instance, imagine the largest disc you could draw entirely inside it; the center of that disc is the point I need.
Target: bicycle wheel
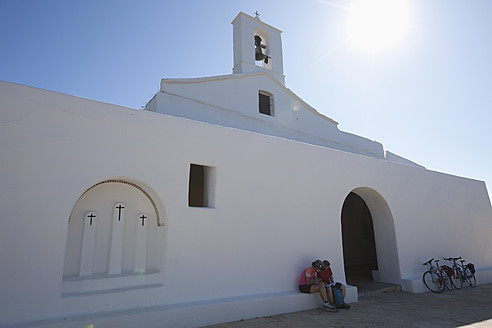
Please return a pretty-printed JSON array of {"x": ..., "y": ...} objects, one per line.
[
  {"x": 433, "y": 282},
  {"x": 445, "y": 278},
  {"x": 470, "y": 277},
  {"x": 457, "y": 279}
]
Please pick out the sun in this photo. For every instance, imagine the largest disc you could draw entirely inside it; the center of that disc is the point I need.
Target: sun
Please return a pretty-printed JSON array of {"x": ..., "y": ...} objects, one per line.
[{"x": 375, "y": 25}]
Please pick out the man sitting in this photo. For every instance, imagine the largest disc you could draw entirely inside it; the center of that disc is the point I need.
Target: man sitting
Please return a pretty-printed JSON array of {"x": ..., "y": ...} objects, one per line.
[{"x": 326, "y": 276}]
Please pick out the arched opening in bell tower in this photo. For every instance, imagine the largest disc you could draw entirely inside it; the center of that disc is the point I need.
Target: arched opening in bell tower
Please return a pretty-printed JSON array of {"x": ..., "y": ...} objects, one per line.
[{"x": 262, "y": 49}]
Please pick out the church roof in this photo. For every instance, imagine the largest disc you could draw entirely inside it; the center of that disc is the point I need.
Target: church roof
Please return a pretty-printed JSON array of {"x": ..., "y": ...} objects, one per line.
[{"x": 229, "y": 77}]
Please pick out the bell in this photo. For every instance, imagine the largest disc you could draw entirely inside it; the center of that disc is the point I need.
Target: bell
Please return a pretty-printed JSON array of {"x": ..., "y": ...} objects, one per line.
[{"x": 259, "y": 55}]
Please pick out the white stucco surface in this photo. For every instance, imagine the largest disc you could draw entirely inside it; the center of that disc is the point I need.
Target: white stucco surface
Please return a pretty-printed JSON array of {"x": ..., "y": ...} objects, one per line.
[
  {"x": 244, "y": 29},
  {"x": 97, "y": 228},
  {"x": 277, "y": 207},
  {"x": 293, "y": 118}
]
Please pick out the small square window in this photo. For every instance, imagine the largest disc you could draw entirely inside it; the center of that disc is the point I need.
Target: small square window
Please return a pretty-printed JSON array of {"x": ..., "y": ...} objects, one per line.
[
  {"x": 265, "y": 102},
  {"x": 201, "y": 192}
]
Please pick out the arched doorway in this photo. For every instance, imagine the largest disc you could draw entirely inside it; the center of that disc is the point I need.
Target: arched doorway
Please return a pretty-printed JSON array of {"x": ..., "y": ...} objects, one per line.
[
  {"x": 359, "y": 248},
  {"x": 369, "y": 238}
]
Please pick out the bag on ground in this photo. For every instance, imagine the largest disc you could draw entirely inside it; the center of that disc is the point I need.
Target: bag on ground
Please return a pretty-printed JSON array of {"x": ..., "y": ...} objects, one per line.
[{"x": 337, "y": 298}]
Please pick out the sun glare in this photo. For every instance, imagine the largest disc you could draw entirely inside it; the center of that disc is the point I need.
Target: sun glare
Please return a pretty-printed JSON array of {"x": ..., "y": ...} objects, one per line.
[{"x": 375, "y": 25}]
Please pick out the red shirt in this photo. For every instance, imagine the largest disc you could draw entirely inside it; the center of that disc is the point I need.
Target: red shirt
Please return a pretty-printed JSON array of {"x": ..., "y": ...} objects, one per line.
[{"x": 325, "y": 275}]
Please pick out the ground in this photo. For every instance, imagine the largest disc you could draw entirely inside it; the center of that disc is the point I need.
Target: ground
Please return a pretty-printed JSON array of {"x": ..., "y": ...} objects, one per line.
[{"x": 469, "y": 307}]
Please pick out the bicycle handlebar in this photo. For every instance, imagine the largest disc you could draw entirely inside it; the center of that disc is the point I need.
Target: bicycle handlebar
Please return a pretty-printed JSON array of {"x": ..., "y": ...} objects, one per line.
[
  {"x": 429, "y": 262},
  {"x": 451, "y": 258}
]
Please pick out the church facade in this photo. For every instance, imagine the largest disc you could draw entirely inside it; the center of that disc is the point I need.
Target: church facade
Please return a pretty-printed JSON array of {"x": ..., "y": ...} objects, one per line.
[{"x": 206, "y": 206}]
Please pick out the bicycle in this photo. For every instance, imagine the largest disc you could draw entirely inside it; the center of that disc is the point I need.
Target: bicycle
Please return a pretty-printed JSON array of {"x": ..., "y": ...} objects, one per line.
[
  {"x": 457, "y": 277},
  {"x": 433, "y": 278},
  {"x": 462, "y": 273},
  {"x": 444, "y": 275}
]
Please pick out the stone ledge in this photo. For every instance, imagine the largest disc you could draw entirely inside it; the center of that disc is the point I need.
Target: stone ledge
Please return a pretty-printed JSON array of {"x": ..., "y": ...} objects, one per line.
[
  {"x": 416, "y": 285},
  {"x": 75, "y": 286},
  {"x": 196, "y": 314}
]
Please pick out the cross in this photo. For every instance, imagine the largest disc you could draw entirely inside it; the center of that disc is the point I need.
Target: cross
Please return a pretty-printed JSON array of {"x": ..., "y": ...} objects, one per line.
[
  {"x": 91, "y": 217},
  {"x": 119, "y": 207},
  {"x": 257, "y": 13},
  {"x": 143, "y": 217}
]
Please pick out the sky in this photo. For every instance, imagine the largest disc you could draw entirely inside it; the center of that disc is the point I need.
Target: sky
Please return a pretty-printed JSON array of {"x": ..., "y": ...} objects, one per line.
[{"x": 426, "y": 97}]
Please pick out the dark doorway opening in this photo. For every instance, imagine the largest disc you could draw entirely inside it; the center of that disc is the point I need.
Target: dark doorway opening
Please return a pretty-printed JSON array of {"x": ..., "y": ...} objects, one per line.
[{"x": 359, "y": 247}]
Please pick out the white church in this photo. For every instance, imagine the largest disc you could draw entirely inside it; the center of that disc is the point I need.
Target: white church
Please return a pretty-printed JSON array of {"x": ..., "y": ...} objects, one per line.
[{"x": 206, "y": 206}]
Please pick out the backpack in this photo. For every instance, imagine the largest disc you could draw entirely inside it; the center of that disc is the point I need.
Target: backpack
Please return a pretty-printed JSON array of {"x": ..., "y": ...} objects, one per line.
[
  {"x": 471, "y": 267},
  {"x": 337, "y": 298}
]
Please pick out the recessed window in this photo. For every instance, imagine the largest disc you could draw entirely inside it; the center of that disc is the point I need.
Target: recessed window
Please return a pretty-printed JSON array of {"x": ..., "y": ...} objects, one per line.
[
  {"x": 265, "y": 102},
  {"x": 201, "y": 192}
]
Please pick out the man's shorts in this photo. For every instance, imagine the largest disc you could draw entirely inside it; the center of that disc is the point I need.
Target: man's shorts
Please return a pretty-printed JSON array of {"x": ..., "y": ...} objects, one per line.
[{"x": 306, "y": 289}]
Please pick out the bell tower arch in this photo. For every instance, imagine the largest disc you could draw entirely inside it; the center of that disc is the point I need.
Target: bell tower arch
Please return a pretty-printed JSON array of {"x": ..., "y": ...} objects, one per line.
[{"x": 257, "y": 47}]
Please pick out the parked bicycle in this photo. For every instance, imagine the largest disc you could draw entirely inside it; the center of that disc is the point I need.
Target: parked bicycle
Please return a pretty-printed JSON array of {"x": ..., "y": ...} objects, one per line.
[
  {"x": 435, "y": 278},
  {"x": 445, "y": 276},
  {"x": 462, "y": 273}
]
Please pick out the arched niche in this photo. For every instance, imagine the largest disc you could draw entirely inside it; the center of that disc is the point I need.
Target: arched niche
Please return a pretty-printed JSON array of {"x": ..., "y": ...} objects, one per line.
[{"x": 115, "y": 230}]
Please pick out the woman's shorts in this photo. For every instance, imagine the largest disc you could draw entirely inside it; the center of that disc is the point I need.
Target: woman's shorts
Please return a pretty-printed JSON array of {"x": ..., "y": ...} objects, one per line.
[{"x": 306, "y": 289}]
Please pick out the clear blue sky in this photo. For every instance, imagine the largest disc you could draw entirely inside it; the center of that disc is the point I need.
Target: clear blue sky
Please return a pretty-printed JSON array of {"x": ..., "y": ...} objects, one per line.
[{"x": 428, "y": 98}]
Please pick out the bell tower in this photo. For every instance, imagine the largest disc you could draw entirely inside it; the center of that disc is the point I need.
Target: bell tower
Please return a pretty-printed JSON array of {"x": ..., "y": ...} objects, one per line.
[{"x": 257, "y": 47}]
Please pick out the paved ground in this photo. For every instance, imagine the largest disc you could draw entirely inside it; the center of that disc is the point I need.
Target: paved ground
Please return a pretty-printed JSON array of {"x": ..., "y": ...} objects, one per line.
[{"x": 469, "y": 307}]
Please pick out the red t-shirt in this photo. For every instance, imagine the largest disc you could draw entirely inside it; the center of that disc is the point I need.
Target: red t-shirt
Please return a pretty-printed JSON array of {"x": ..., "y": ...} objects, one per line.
[{"x": 325, "y": 275}]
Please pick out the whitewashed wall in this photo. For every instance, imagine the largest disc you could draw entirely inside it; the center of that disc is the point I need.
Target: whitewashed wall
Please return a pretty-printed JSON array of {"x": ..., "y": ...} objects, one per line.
[
  {"x": 232, "y": 100},
  {"x": 277, "y": 205}
]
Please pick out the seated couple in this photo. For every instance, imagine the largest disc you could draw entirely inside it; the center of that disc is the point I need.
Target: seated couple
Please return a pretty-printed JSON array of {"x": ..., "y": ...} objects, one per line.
[{"x": 319, "y": 278}]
